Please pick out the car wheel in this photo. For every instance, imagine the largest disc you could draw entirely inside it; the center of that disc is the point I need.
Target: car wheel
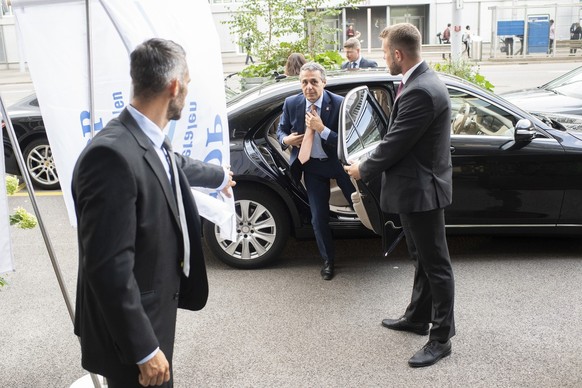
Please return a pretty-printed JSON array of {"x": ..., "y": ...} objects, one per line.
[
  {"x": 40, "y": 164},
  {"x": 262, "y": 231}
]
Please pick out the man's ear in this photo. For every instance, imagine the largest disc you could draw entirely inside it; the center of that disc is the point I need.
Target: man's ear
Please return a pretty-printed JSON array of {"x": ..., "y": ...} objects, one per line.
[{"x": 174, "y": 87}]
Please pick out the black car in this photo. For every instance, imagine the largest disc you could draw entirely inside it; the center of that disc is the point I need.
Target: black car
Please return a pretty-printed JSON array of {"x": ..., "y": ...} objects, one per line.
[
  {"x": 513, "y": 172},
  {"x": 34, "y": 144}
]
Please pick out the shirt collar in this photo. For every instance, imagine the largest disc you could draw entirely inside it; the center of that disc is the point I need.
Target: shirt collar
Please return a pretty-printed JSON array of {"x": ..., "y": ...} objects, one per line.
[
  {"x": 406, "y": 76},
  {"x": 152, "y": 131},
  {"x": 317, "y": 103}
]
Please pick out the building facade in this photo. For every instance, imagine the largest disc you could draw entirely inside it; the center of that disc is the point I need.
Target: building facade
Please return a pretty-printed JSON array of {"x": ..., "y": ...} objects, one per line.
[{"x": 430, "y": 17}]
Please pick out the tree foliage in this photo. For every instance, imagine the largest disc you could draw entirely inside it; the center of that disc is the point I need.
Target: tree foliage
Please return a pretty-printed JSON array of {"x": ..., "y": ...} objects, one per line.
[{"x": 271, "y": 24}]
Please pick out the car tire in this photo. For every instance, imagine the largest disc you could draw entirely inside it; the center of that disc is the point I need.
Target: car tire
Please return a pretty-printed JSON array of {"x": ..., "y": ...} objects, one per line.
[
  {"x": 262, "y": 227},
  {"x": 40, "y": 164}
]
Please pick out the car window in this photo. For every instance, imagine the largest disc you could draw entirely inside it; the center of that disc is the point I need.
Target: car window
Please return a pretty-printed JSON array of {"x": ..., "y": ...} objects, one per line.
[
  {"x": 472, "y": 115},
  {"x": 362, "y": 122}
]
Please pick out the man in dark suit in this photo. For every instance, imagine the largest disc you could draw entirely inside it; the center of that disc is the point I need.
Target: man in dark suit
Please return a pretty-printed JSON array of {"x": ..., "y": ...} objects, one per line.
[
  {"x": 134, "y": 232},
  {"x": 352, "y": 50},
  {"x": 309, "y": 125},
  {"x": 415, "y": 162}
]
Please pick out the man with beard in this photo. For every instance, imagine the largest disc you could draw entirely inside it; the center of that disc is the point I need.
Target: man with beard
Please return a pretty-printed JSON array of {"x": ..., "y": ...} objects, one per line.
[
  {"x": 415, "y": 160},
  {"x": 140, "y": 254}
]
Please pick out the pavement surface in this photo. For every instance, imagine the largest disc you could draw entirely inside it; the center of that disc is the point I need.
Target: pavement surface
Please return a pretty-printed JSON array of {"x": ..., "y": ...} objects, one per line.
[{"x": 517, "y": 311}]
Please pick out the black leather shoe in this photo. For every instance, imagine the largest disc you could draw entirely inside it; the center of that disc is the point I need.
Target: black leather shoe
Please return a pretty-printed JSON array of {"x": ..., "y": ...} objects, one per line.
[
  {"x": 403, "y": 324},
  {"x": 430, "y": 353},
  {"x": 327, "y": 271}
]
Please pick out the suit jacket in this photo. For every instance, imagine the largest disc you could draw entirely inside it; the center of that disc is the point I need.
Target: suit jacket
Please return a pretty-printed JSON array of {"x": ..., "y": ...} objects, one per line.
[
  {"x": 293, "y": 120},
  {"x": 364, "y": 63},
  {"x": 414, "y": 156},
  {"x": 130, "y": 283}
]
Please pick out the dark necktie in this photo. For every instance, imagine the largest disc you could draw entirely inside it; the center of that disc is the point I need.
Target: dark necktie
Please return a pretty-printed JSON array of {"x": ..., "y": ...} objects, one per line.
[
  {"x": 400, "y": 87},
  {"x": 181, "y": 213},
  {"x": 354, "y": 65}
]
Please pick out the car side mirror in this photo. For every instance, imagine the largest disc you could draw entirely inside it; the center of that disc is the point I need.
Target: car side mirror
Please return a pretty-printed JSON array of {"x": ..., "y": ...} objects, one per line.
[{"x": 524, "y": 131}]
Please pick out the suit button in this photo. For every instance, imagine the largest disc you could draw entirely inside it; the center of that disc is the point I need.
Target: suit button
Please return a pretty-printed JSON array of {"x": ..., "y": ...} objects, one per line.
[{"x": 176, "y": 296}]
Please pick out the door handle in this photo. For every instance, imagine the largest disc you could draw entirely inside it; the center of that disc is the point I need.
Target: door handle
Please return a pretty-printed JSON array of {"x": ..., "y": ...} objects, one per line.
[{"x": 452, "y": 149}]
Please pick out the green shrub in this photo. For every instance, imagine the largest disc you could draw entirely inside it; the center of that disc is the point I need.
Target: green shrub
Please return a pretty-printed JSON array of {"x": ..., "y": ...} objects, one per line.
[{"x": 465, "y": 70}]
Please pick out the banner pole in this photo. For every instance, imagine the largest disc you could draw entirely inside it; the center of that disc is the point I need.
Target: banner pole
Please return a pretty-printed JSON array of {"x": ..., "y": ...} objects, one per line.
[
  {"x": 94, "y": 378},
  {"x": 32, "y": 196}
]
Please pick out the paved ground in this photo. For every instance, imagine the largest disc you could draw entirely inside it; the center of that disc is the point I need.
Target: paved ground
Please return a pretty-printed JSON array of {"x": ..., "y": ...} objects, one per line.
[{"x": 518, "y": 312}]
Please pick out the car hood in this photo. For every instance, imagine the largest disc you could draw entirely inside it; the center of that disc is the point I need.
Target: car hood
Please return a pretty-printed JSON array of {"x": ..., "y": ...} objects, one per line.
[{"x": 543, "y": 100}]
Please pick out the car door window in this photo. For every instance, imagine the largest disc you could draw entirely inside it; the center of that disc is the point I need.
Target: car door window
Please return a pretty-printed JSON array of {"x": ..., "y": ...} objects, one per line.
[
  {"x": 362, "y": 123},
  {"x": 473, "y": 115}
]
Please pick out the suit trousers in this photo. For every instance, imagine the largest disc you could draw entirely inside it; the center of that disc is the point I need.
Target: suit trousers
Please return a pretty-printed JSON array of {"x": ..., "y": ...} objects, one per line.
[
  {"x": 433, "y": 292},
  {"x": 316, "y": 174}
]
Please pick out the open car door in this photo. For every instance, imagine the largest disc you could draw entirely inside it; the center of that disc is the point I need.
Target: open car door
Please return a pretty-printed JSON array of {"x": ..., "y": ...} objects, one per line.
[{"x": 362, "y": 124}]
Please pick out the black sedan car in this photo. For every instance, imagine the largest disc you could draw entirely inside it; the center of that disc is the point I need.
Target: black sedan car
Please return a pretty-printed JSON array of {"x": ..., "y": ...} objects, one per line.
[
  {"x": 513, "y": 172},
  {"x": 34, "y": 144}
]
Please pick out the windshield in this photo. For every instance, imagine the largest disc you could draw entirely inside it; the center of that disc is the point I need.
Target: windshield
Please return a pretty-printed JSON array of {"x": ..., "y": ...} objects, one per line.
[{"x": 570, "y": 84}]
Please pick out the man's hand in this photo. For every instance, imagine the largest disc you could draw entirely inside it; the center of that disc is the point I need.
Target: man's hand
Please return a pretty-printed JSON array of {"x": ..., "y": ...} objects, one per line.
[
  {"x": 353, "y": 170},
  {"x": 156, "y": 371},
  {"x": 313, "y": 121},
  {"x": 226, "y": 190},
  {"x": 294, "y": 139}
]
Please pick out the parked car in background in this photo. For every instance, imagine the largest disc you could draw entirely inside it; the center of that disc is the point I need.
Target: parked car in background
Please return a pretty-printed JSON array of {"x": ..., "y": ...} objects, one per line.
[
  {"x": 31, "y": 135},
  {"x": 560, "y": 98}
]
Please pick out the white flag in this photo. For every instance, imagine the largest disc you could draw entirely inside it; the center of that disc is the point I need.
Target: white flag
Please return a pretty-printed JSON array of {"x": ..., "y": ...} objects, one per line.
[
  {"x": 6, "y": 263},
  {"x": 55, "y": 42}
]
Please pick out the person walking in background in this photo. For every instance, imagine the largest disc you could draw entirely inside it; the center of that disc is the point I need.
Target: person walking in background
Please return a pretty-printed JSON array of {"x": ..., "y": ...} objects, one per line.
[
  {"x": 447, "y": 34},
  {"x": 294, "y": 63},
  {"x": 350, "y": 32},
  {"x": 552, "y": 36},
  {"x": 309, "y": 124},
  {"x": 248, "y": 43},
  {"x": 352, "y": 49},
  {"x": 575, "y": 34},
  {"x": 466, "y": 38},
  {"x": 414, "y": 159},
  {"x": 140, "y": 253}
]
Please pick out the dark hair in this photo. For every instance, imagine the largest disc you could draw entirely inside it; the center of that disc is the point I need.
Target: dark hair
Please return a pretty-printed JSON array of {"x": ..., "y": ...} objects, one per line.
[
  {"x": 294, "y": 63},
  {"x": 154, "y": 64}
]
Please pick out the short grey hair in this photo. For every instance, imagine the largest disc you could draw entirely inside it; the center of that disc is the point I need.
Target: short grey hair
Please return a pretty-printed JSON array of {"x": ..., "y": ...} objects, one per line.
[
  {"x": 314, "y": 66},
  {"x": 154, "y": 64}
]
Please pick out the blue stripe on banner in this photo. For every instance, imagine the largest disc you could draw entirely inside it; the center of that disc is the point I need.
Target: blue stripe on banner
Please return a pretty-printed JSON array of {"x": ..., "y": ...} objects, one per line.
[{"x": 172, "y": 130}]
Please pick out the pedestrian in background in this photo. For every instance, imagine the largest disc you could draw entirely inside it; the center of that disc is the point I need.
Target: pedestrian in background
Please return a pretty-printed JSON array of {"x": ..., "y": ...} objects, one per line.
[
  {"x": 355, "y": 60},
  {"x": 466, "y": 38},
  {"x": 294, "y": 63},
  {"x": 248, "y": 42},
  {"x": 447, "y": 34},
  {"x": 414, "y": 159},
  {"x": 552, "y": 36}
]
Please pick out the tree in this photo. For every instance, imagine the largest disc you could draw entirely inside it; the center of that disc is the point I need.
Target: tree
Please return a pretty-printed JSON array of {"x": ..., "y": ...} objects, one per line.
[{"x": 294, "y": 25}]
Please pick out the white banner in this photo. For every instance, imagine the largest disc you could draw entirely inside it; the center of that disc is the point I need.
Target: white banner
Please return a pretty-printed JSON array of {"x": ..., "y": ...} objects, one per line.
[
  {"x": 54, "y": 34},
  {"x": 6, "y": 263}
]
